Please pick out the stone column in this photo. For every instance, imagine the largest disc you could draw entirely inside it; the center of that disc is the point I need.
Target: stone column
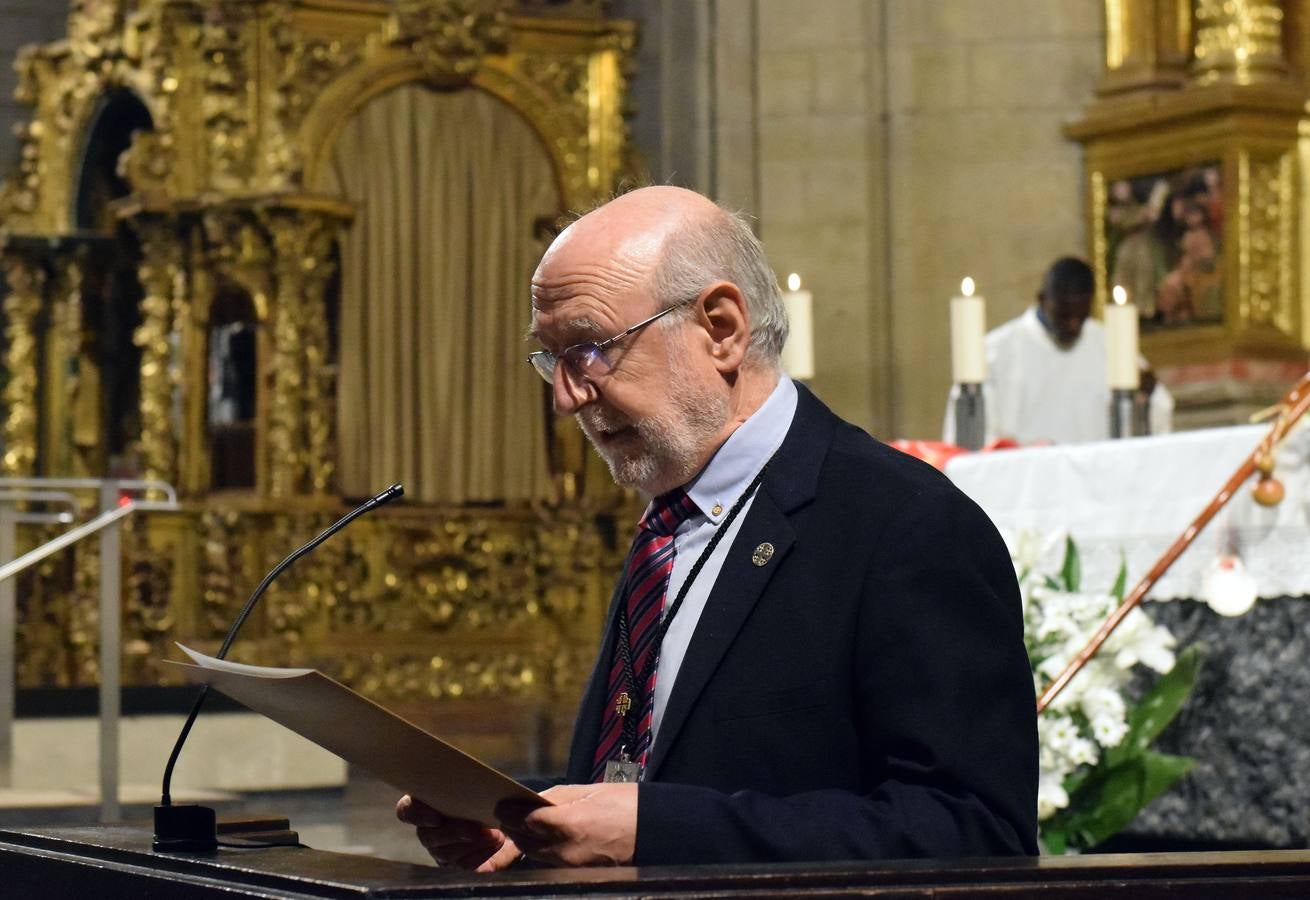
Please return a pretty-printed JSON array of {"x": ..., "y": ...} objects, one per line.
[
  {"x": 26, "y": 278},
  {"x": 1239, "y": 41}
]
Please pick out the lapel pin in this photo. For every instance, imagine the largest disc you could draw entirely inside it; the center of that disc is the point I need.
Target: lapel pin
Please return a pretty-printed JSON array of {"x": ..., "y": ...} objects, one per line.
[{"x": 763, "y": 553}]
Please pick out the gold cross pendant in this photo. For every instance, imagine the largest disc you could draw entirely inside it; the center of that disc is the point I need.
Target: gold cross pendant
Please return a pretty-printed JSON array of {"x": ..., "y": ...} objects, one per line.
[{"x": 622, "y": 704}]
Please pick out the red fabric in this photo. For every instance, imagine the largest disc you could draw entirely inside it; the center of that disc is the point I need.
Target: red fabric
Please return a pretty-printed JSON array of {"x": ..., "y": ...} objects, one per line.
[{"x": 939, "y": 453}]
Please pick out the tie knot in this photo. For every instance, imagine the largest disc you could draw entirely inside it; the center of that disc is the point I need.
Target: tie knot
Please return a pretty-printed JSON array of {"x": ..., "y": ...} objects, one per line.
[{"x": 667, "y": 512}]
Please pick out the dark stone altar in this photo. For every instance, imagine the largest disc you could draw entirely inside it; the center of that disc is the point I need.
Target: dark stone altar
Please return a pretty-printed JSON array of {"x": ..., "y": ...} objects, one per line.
[{"x": 1247, "y": 726}]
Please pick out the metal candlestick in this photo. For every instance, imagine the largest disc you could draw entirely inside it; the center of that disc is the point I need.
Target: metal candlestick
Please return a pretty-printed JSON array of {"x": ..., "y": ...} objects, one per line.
[
  {"x": 970, "y": 417},
  {"x": 1128, "y": 413}
]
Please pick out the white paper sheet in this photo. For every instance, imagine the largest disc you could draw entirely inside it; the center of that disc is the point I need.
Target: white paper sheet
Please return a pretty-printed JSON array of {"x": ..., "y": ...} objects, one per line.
[{"x": 365, "y": 734}]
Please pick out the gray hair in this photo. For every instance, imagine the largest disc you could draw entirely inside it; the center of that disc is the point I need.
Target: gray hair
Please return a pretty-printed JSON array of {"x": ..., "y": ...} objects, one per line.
[{"x": 724, "y": 248}]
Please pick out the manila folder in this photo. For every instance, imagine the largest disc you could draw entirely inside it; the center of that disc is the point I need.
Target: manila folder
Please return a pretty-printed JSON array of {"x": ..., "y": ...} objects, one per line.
[{"x": 365, "y": 734}]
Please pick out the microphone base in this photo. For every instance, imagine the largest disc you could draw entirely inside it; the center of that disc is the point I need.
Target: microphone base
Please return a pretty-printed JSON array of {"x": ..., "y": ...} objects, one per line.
[
  {"x": 269, "y": 831},
  {"x": 185, "y": 828}
]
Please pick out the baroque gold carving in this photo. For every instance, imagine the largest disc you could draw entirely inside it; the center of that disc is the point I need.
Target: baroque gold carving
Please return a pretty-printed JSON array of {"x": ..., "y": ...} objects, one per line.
[
  {"x": 305, "y": 67},
  {"x": 162, "y": 278},
  {"x": 63, "y": 346},
  {"x": 300, "y": 422},
  {"x": 1100, "y": 252},
  {"x": 22, "y": 306},
  {"x": 1148, "y": 44},
  {"x": 19, "y": 192},
  {"x": 245, "y": 97},
  {"x": 228, "y": 98},
  {"x": 1265, "y": 209},
  {"x": 450, "y": 39},
  {"x": 1239, "y": 39}
]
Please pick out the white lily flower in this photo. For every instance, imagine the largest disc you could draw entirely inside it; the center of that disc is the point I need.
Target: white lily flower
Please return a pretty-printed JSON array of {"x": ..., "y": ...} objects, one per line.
[{"x": 1051, "y": 796}]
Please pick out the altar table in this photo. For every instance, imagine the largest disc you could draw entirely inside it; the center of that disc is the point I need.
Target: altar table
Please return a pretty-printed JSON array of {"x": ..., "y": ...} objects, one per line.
[{"x": 1128, "y": 500}]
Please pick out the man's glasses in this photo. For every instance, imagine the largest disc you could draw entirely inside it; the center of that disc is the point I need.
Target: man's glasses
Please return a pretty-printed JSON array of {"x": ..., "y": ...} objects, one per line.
[{"x": 588, "y": 358}]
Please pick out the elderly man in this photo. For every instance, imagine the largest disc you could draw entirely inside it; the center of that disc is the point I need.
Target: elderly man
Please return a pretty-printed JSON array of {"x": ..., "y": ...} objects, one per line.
[{"x": 815, "y": 651}]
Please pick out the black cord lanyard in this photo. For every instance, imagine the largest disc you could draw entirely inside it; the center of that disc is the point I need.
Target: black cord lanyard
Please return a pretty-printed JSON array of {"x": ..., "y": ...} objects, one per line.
[{"x": 636, "y": 701}]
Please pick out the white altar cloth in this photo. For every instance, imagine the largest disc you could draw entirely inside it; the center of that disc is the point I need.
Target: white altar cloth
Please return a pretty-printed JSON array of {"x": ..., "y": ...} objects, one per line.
[{"x": 1135, "y": 497}]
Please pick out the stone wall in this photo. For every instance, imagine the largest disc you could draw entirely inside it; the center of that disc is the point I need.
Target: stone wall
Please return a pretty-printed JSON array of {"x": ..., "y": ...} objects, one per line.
[
  {"x": 889, "y": 147},
  {"x": 984, "y": 184}
]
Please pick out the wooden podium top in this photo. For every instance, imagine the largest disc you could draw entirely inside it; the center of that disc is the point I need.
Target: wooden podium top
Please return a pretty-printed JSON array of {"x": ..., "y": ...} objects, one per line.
[{"x": 117, "y": 861}]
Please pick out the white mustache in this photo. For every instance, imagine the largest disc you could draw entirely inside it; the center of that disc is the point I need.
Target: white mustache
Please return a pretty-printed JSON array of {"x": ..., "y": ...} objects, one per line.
[{"x": 600, "y": 420}]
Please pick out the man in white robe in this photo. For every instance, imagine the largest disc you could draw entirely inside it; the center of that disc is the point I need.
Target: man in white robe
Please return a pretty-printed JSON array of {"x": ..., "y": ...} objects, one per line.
[{"x": 1046, "y": 369}]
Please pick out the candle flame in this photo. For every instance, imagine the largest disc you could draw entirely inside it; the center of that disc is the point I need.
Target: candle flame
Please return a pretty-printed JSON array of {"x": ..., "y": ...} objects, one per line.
[
  {"x": 793, "y": 282},
  {"x": 966, "y": 287},
  {"x": 1120, "y": 294}
]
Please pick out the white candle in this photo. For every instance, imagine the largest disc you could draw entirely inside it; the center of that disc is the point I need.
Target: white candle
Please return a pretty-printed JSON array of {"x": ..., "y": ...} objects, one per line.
[
  {"x": 968, "y": 329},
  {"x": 798, "y": 352},
  {"x": 1121, "y": 342}
]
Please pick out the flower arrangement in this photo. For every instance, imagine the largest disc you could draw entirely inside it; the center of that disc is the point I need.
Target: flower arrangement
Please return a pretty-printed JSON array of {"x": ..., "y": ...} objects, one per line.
[{"x": 1097, "y": 768}]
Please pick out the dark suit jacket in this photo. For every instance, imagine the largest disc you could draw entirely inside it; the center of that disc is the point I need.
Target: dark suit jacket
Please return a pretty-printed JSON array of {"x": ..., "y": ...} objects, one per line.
[{"x": 863, "y": 695}]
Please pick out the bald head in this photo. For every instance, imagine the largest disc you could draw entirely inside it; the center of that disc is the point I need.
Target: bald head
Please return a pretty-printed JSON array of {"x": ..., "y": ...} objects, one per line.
[
  {"x": 672, "y": 243},
  {"x": 628, "y": 234}
]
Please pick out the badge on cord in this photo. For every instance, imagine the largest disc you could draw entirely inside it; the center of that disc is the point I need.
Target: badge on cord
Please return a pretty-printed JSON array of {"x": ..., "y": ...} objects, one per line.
[{"x": 622, "y": 770}]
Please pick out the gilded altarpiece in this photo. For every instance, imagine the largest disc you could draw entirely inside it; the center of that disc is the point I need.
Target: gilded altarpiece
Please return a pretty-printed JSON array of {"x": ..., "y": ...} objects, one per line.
[
  {"x": 489, "y": 613},
  {"x": 1206, "y": 99}
]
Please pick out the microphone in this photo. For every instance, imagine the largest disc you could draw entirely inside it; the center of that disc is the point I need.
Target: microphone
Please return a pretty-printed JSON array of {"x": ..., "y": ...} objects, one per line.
[{"x": 189, "y": 827}]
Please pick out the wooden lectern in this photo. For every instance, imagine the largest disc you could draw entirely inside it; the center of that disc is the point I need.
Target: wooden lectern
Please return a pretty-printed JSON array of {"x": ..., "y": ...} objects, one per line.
[{"x": 116, "y": 861}]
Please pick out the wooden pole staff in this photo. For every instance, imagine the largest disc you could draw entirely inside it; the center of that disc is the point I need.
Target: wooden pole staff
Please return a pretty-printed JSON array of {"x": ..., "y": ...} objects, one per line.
[{"x": 1292, "y": 407}]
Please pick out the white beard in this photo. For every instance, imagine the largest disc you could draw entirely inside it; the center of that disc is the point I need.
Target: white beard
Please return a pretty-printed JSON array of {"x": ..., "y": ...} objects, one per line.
[{"x": 666, "y": 449}]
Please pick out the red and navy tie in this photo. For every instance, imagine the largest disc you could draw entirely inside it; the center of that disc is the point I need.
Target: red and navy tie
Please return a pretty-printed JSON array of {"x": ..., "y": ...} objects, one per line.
[{"x": 645, "y": 591}]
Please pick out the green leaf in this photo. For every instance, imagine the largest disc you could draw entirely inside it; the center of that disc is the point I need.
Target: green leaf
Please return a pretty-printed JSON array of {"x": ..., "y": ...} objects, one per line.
[
  {"x": 1071, "y": 571},
  {"x": 1055, "y": 839},
  {"x": 1051, "y": 583},
  {"x": 1109, "y": 800},
  {"x": 1121, "y": 580},
  {"x": 1158, "y": 708}
]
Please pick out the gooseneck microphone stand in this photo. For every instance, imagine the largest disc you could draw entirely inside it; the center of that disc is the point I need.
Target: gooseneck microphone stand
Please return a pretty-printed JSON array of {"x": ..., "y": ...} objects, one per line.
[{"x": 188, "y": 827}]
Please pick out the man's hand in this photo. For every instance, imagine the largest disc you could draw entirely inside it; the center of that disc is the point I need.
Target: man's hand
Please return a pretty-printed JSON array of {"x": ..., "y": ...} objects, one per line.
[
  {"x": 588, "y": 825},
  {"x": 457, "y": 842}
]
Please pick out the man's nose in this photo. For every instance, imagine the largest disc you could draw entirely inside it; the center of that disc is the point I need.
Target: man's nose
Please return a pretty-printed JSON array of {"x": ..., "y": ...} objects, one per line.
[{"x": 570, "y": 392}]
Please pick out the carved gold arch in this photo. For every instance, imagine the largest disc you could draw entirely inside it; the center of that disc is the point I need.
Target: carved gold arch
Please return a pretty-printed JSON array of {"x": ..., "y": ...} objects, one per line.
[
  {"x": 436, "y": 604},
  {"x": 583, "y": 171}
]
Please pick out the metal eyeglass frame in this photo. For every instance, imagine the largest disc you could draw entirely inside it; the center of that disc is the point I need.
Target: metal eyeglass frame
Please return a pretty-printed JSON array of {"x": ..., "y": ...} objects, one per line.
[{"x": 584, "y": 356}]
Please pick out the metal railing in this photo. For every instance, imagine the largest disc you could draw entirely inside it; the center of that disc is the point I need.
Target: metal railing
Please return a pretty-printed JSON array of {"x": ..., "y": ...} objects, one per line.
[{"x": 117, "y": 499}]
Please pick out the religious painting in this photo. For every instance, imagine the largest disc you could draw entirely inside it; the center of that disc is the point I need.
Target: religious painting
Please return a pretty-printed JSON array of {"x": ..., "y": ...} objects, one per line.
[{"x": 1164, "y": 236}]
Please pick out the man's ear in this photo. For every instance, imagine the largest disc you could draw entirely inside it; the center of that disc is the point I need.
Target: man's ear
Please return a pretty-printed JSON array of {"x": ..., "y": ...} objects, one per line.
[{"x": 721, "y": 312}]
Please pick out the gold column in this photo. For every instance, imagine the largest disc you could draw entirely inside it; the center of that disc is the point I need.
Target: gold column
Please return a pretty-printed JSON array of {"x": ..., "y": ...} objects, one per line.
[
  {"x": 301, "y": 421},
  {"x": 26, "y": 279},
  {"x": 70, "y": 415},
  {"x": 1239, "y": 41},
  {"x": 161, "y": 274},
  {"x": 1148, "y": 44}
]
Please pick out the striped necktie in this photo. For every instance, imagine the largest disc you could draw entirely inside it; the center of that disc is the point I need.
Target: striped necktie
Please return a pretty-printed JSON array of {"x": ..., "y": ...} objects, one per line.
[{"x": 644, "y": 593}]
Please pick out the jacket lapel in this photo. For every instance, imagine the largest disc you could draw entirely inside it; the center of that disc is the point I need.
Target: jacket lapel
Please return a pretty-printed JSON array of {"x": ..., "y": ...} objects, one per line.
[
  {"x": 789, "y": 484},
  {"x": 736, "y": 590}
]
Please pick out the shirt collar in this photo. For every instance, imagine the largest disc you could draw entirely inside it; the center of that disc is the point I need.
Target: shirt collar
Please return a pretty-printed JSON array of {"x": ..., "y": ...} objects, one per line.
[{"x": 735, "y": 464}]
